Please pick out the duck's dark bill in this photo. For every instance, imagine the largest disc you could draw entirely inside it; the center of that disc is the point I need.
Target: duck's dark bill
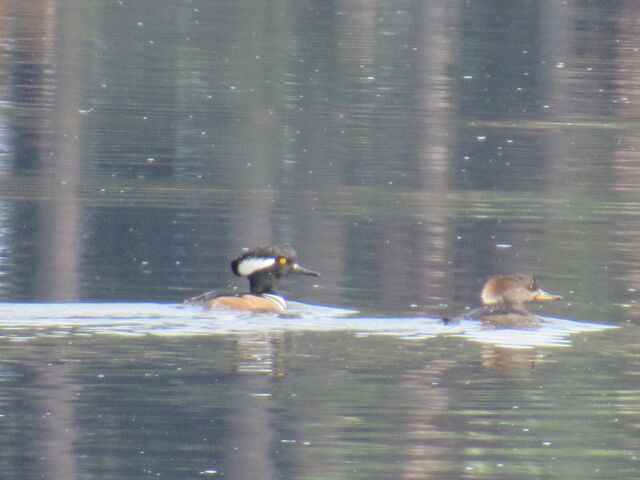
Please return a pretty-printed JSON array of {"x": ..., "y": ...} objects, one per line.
[{"x": 303, "y": 271}]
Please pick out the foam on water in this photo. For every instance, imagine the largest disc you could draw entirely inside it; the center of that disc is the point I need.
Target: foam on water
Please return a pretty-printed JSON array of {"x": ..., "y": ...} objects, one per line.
[{"x": 25, "y": 321}]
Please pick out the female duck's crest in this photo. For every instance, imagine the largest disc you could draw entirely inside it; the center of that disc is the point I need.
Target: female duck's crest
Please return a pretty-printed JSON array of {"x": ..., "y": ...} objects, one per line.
[
  {"x": 513, "y": 290},
  {"x": 503, "y": 298}
]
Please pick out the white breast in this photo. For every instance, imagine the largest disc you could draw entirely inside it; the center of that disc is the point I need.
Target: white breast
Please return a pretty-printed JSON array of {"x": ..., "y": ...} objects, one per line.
[{"x": 277, "y": 299}]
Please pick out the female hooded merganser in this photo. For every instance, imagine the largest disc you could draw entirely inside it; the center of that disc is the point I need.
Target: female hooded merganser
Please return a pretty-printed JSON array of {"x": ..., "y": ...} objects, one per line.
[
  {"x": 503, "y": 299},
  {"x": 263, "y": 266}
]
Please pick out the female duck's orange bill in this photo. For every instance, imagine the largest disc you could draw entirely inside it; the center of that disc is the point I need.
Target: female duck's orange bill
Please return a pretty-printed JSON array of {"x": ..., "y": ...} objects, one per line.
[{"x": 542, "y": 295}]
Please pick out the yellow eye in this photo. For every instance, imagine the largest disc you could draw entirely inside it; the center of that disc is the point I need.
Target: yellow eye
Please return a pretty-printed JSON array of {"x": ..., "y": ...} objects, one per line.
[{"x": 282, "y": 260}]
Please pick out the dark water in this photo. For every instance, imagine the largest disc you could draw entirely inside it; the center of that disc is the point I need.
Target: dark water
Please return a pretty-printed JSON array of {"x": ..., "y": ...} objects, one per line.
[{"x": 407, "y": 150}]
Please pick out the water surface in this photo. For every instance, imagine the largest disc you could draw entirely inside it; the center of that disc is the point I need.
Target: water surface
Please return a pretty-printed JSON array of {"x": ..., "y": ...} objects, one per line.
[{"x": 407, "y": 150}]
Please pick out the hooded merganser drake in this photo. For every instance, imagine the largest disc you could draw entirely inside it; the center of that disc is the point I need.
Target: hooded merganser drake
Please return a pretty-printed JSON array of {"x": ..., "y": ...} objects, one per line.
[
  {"x": 263, "y": 266},
  {"x": 503, "y": 299}
]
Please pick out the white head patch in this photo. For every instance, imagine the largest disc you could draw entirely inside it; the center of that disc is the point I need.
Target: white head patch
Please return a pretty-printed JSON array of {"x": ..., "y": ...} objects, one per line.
[{"x": 251, "y": 265}]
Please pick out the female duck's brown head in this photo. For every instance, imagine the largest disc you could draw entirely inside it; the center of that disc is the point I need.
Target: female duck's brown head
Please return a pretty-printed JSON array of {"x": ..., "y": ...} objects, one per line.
[{"x": 512, "y": 291}]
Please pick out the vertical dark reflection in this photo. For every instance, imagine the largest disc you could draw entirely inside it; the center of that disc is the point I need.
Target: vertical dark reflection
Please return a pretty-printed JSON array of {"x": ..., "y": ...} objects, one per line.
[
  {"x": 29, "y": 115},
  {"x": 45, "y": 62}
]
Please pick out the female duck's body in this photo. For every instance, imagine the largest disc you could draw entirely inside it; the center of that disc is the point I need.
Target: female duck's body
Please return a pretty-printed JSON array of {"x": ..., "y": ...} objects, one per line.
[{"x": 503, "y": 299}]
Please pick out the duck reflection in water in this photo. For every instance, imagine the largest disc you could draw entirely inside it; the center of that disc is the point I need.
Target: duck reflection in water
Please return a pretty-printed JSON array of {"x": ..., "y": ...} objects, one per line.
[
  {"x": 503, "y": 299},
  {"x": 263, "y": 266}
]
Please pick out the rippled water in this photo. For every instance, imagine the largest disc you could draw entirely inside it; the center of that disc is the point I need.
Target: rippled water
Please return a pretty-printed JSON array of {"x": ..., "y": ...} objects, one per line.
[
  {"x": 407, "y": 150},
  {"x": 123, "y": 391}
]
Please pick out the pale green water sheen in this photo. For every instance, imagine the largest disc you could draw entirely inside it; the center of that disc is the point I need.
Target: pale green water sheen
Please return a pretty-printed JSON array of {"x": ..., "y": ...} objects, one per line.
[{"x": 408, "y": 150}]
